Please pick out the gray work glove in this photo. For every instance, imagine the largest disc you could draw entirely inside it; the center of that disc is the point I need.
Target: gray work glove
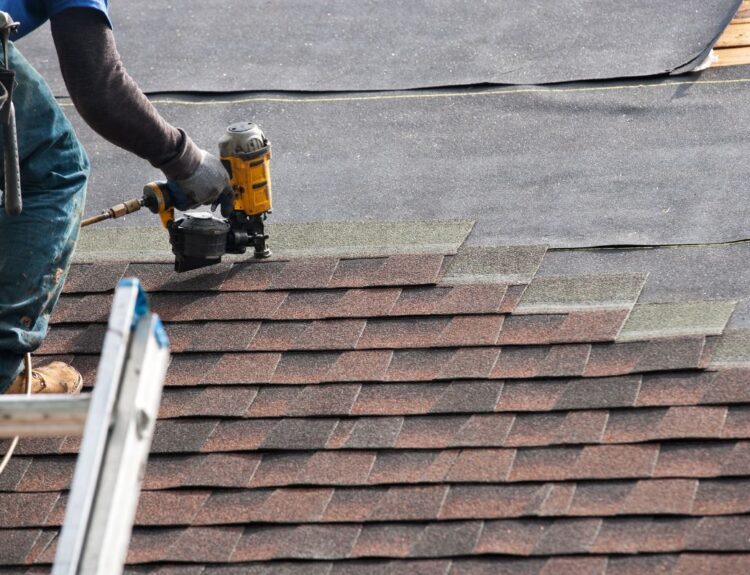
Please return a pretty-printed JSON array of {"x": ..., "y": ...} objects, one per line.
[{"x": 205, "y": 184}]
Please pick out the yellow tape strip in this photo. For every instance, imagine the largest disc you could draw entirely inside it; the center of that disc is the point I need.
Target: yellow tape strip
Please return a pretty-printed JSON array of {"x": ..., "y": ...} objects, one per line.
[{"x": 428, "y": 96}]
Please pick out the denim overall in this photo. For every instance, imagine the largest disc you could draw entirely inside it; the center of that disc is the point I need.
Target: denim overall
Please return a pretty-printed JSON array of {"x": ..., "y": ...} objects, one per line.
[{"x": 36, "y": 246}]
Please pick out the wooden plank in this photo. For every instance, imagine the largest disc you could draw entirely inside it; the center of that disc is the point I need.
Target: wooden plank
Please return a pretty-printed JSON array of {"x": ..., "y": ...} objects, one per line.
[
  {"x": 734, "y": 36},
  {"x": 743, "y": 13},
  {"x": 732, "y": 57}
]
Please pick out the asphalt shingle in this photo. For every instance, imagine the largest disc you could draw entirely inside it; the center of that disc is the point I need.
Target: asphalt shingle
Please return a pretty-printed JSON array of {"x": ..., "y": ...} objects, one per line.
[{"x": 415, "y": 414}]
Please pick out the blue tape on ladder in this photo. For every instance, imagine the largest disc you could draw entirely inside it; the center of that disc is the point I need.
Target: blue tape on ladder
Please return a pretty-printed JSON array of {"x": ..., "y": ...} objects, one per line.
[
  {"x": 161, "y": 334},
  {"x": 142, "y": 309}
]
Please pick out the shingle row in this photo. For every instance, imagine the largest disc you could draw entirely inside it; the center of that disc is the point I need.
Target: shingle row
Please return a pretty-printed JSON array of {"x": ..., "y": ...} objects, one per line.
[
  {"x": 671, "y": 564},
  {"x": 414, "y": 365},
  {"x": 190, "y": 435},
  {"x": 304, "y": 273},
  {"x": 519, "y": 537},
  {"x": 384, "y": 467},
  {"x": 479, "y": 396},
  {"x": 691, "y": 497},
  {"x": 304, "y": 304},
  {"x": 349, "y": 334}
]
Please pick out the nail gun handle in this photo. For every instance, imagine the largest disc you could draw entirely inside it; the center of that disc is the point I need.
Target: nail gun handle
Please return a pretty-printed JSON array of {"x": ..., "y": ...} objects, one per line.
[
  {"x": 159, "y": 198},
  {"x": 13, "y": 203}
]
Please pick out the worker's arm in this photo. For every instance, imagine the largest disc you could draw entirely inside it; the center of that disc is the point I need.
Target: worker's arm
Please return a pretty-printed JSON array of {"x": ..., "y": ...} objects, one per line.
[{"x": 109, "y": 100}]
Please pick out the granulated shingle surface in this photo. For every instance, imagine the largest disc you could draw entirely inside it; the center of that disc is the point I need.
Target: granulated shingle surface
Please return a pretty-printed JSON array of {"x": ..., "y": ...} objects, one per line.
[{"x": 414, "y": 414}]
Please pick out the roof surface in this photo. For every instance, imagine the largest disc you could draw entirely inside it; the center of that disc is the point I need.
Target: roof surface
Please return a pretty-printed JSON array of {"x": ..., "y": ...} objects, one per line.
[
  {"x": 440, "y": 409},
  {"x": 417, "y": 413}
]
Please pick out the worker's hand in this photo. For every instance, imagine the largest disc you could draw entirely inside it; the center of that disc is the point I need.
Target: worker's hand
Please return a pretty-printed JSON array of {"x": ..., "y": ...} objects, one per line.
[{"x": 204, "y": 185}]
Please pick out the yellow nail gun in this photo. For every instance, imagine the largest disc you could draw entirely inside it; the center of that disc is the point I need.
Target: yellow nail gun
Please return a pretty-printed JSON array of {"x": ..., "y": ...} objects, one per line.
[{"x": 200, "y": 239}]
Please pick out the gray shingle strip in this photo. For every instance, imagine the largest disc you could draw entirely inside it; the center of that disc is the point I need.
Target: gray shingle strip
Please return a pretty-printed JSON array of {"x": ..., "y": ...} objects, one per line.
[
  {"x": 334, "y": 239},
  {"x": 660, "y": 320},
  {"x": 505, "y": 264},
  {"x": 560, "y": 294},
  {"x": 733, "y": 350}
]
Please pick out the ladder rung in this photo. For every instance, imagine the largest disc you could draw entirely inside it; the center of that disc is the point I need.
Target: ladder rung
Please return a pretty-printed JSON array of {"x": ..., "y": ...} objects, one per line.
[{"x": 39, "y": 416}]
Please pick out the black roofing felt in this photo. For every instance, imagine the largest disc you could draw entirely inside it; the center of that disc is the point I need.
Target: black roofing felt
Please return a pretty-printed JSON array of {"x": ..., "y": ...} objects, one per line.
[
  {"x": 335, "y": 45},
  {"x": 685, "y": 273},
  {"x": 637, "y": 162}
]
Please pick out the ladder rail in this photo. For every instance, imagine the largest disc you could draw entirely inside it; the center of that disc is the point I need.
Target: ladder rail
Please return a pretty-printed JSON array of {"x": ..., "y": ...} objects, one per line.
[
  {"x": 88, "y": 466},
  {"x": 111, "y": 523}
]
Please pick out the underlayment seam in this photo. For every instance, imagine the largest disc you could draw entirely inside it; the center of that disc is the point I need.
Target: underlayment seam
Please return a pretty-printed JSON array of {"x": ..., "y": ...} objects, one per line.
[
  {"x": 385, "y": 95},
  {"x": 642, "y": 247}
]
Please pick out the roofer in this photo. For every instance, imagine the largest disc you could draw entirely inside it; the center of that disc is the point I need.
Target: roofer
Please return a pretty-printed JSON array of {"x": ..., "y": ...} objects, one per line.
[{"x": 36, "y": 246}]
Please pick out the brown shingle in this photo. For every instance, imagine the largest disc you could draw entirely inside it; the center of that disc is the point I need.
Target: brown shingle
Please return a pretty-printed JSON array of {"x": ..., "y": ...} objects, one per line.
[
  {"x": 17, "y": 544},
  {"x": 324, "y": 400},
  {"x": 253, "y": 276},
  {"x": 331, "y": 334},
  {"x": 410, "y": 503},
  {"x": 577, "y": 326},
  {"x": 693, "y": 422},
  {"x": 482, "y": 465},
  {"x": 304, "y": 274},
  {"x": 470, "y": 330},
  {"x": 171, "y": 507},
  {"x": 309, "y": 304},
  {"x": 465, "y": 363},
  {"x": 39, "y": 473},
  {"x": 100, "y": 277},
  {"x": 278, "y": 336},
  {"x": 492, "y": 501},
  {"x": 412, "y": 466},
  {"x": 397, "y": 399},
  {"x": 206, "y": 470},
  {"x": 692, "y": 459},
  {"x": 243, "y": 368},
  {"x": 274, "y": 401},
  {"x": 418, "y": 365},
  {"x": 674, "y": 388},
  {"x": 441, "y": 539},
  {"x": 724, "y": 497},
  {"x": 511, "y": 537},
  {"x": 402, "y": 333},
  {"x": 26, "y": 509},
  {"x": 465, "y": 299},
  {"x": 399, "y": 270},
  {"x": 206, "y": 401},
  {"x": 455, "y": 428},
  {"x": 614, "y": 359},
  {"x": 387, "y": 540},
  {"x": 537, "y": 464},
  {"x": 360, "y": 366},
  {"x": 302, "y": 368}
]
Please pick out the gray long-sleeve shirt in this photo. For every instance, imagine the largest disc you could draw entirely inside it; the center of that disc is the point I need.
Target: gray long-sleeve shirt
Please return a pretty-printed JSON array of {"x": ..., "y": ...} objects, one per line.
[{"x": 109, "y": 100}]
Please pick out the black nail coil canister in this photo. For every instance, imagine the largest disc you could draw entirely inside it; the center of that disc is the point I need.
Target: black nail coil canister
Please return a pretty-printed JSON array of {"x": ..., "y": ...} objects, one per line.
[{"x": 198, "y": 239}]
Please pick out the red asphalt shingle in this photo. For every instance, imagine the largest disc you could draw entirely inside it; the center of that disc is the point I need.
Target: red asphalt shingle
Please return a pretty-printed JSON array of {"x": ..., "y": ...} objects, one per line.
[{"x": 345, "y": 416}]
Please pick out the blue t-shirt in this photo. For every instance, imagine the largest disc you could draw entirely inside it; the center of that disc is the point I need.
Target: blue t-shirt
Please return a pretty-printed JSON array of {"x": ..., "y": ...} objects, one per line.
[{"x": 33, "y": 13}]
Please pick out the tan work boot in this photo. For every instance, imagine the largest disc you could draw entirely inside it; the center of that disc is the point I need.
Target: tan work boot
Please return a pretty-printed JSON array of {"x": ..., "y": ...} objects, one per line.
[{"x": 56, "y": 377}]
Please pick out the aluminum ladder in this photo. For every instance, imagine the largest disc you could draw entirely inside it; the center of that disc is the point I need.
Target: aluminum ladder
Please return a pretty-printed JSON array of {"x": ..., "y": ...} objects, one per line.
[{"x": 117, "y": 422}]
